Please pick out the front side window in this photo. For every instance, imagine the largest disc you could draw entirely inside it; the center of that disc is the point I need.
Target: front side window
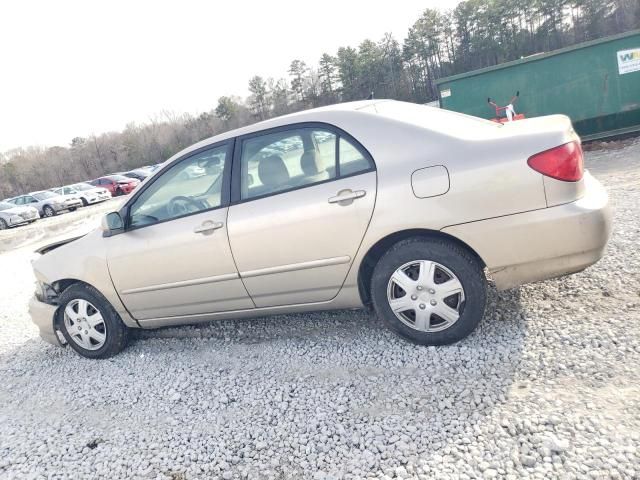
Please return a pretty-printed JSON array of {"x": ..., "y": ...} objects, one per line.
[
  {"x": 190, "y": 186},
  {"x": 285, "y": 160}
]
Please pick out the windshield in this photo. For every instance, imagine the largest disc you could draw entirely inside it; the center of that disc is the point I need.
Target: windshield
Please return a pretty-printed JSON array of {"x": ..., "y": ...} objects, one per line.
[
  {"x": 44, "y": 195},
  {"x": 82, "y": 186},
  {"x": 118, "y": 178},
  {"x": 6, "y": 206}
]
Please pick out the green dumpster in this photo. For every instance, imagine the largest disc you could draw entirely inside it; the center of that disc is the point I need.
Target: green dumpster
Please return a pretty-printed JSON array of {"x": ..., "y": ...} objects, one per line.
[{"x": 597, "y": 84}]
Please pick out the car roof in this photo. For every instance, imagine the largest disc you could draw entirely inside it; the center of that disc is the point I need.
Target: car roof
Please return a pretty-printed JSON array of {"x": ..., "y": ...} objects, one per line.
[
  {"x": 311, "y": 115},
  {"x": 40, "y": 191}
]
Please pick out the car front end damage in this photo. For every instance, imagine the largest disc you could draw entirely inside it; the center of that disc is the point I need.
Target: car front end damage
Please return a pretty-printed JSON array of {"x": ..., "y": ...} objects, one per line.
[{"x": 43, "y": 315}]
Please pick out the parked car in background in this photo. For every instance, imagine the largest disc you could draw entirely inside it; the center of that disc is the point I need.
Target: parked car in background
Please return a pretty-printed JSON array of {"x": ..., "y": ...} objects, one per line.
[
  {"x": 70, "y": 196},
  {"x": 48, "y": 203},
  {"x": 389, "y": 204},
  {"x": 88, "y": 194},
  {"x": 13, "y": 215},
  {"x": 193, "y": 171},
  {"x": 116, "y": 184}
]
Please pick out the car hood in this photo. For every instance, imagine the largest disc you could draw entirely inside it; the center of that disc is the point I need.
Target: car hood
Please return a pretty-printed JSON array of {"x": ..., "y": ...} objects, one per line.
[
  {"x": 52, "y": 246},
  {"x": 18, "y": 209}
]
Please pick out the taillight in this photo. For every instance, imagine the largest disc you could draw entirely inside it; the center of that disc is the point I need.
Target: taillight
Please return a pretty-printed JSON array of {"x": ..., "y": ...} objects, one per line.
[{"x": 562, "y": 163}]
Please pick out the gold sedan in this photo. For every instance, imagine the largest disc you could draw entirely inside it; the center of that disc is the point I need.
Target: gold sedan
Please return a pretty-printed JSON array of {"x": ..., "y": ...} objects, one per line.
[{"x": 402, "y": 207}]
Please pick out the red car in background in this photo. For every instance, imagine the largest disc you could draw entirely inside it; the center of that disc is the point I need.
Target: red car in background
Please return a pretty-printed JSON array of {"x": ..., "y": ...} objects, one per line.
[{"x": 116, "y": 184}]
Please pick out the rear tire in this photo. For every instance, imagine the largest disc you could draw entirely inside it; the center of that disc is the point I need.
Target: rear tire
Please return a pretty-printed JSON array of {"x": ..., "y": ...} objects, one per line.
[
  {"x": 48, "y": 211},
  {"x": 444, "y": 294},
  {"x": 90, "y": 324},
  {"x": 3, "y": 224}
]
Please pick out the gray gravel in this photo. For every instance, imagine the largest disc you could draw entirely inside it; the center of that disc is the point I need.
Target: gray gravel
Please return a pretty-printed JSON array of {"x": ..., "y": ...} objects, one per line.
[{"x": 547, "y": 387}]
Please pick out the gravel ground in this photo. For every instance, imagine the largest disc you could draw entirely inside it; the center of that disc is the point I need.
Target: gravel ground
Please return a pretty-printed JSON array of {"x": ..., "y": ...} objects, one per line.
[{"x": 547, "y": 387}]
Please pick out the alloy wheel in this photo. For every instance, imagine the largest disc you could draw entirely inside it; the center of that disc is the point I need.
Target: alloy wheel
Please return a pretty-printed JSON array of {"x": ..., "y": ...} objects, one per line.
[{"x": 425, "y": 296}]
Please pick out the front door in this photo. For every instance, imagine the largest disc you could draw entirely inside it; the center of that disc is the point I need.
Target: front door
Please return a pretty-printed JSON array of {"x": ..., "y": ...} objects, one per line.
[
  {"x": 305, "y": 198},
  {"x": 174, "y": 258}
]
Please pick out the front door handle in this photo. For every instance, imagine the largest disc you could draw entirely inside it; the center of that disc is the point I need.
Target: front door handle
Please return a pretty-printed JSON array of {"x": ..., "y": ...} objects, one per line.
[
  {"x": 346, "y": 197},
  {"x": 208, "y": 226}
]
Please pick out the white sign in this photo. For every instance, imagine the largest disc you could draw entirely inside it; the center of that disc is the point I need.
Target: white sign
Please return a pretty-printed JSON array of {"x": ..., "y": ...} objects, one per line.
[
  {"x": 445, "y": 93},
  {"x": 628, "y": 61}
]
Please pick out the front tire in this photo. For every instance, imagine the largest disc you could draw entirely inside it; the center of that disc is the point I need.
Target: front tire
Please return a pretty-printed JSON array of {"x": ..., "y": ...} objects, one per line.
[
  {"x": 3, "y": 224},
  {"x": 90, "y": 324},
  {"x": 84, "y": 202},
  {"x": 429, "y": 291},
  {"x": 48, "y": 211}
]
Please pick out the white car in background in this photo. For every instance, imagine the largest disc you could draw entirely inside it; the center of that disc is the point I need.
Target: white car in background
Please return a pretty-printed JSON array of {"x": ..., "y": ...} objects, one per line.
[
  {"x": 13, "y": 215},
  {"x": 87, "y": 193}
]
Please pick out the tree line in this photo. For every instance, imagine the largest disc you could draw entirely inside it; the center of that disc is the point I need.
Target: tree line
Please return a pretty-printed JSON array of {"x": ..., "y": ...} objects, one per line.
[{"x": 475, "y": 34}]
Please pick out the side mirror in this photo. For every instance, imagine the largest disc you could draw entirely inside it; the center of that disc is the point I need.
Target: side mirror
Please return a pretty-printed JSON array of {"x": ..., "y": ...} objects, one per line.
[
  {"x": 249, "y": 180},
  {"x": 112, "y": 224}
]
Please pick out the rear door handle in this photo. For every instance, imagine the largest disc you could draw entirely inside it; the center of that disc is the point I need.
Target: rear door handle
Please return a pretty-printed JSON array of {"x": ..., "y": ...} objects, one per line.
[
  {"x": 208, "y": 226},
  {"x": 345, "y": 196}
]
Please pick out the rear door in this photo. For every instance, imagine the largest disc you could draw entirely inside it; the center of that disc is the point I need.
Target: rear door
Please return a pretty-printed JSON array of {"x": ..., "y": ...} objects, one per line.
[{"x": 304, "y": 196}]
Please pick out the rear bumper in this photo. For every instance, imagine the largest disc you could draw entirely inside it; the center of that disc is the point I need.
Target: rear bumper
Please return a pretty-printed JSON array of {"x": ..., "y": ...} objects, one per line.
[
  {"x": 542, "y": 244},
  {"x": 42, "y": 315}
]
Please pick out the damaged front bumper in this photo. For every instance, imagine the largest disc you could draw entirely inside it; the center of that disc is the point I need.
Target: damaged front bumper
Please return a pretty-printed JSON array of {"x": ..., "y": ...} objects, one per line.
[{"x": 43, "y": 315}]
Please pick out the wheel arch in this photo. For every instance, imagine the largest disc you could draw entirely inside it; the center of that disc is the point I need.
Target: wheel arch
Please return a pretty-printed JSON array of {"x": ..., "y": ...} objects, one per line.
[
  {"x": 60, "y": 286},
  {"x": 377, "y": 250}
]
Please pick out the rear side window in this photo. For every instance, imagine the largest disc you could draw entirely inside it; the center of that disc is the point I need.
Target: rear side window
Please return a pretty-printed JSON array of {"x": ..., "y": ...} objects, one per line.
[
  {"x": 295, "y": 158},
  {"x": 352, "y": 160},
  {"x": 285, "y": 160}
]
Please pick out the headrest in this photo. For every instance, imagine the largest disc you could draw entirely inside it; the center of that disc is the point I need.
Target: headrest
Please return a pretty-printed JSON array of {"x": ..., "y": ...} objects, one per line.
[
  {"x": 272, "y": 171},
  {"x": 311, "y": 163}
]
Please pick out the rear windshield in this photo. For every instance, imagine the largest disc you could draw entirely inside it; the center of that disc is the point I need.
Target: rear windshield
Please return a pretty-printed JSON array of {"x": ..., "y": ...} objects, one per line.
[
  {"x": 118, "y": 178},
  {"x": 44, "y": 195},
  {"x": 433, "y": 118}
]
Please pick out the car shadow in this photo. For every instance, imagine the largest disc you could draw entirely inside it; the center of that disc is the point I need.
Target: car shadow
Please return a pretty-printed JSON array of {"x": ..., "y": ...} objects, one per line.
[{"x": 333, "y": 378}]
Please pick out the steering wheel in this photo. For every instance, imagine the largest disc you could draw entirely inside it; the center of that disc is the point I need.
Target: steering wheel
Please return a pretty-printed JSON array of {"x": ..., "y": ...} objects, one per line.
[{"x": 182, "y": 205}]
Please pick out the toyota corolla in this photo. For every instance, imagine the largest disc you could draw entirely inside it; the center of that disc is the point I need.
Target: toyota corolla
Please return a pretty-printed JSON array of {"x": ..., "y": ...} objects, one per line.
[{"x": 404, "y": 208}]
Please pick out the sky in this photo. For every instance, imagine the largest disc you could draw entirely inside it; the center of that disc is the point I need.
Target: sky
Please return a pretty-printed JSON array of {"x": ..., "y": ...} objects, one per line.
[{"x": 76, "y": 68}]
